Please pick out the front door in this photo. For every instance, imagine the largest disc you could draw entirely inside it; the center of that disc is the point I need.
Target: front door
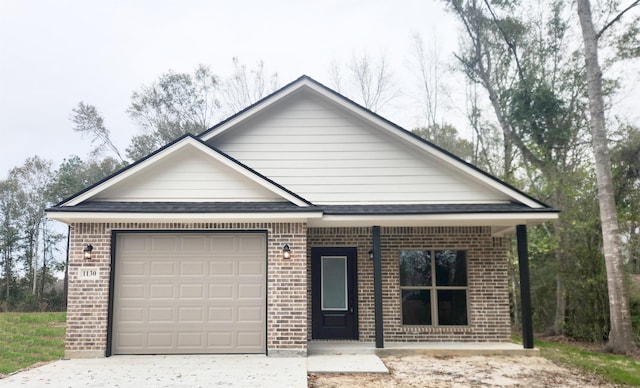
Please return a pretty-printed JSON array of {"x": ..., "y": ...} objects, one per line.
[{"x": 333, "y": 293}]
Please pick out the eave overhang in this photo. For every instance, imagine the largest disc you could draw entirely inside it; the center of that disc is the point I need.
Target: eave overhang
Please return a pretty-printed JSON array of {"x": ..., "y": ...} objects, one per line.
[
  {"x": 500, "y": 223},
  {"x": 86, "y": 217},
  {"x": 502, "y": 218},
  {"x": 105, "y": 211}
]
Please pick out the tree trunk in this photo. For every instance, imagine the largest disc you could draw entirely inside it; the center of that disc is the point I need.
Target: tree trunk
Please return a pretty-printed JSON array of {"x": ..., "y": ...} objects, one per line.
[
  {"x": 7, "y": 271},
  {"x": 561, "y": 305},
  {"x": 34, "y": 265},
  {"x": 560, "y": 229},
  {"x": 620, "y": 337}
]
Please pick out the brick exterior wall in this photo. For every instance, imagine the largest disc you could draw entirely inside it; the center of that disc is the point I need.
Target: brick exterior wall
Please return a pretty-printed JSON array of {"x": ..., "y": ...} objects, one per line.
[
  {"x": 88, "y": 300},
  {"x": 488, "y": 295},
  {"x": 289, "y": 282}
]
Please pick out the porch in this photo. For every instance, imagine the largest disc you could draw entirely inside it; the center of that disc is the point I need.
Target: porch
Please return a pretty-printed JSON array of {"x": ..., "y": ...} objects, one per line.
[
  {"x": 467, "y": 303},
  {"x": 435, "y": 349}
]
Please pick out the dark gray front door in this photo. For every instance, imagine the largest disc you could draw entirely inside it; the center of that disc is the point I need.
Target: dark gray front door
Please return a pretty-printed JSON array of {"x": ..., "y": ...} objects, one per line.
[{"x": 333, "y": 293}]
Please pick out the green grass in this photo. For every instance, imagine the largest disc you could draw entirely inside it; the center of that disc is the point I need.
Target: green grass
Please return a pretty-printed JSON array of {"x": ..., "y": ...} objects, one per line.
[
  {"x": 29, "y": 338},
  {"x": 617, "y": 369}
]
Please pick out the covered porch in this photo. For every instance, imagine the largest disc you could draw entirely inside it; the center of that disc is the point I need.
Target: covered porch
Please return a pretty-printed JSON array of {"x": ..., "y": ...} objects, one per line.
[{"x": 381, "y": 323}]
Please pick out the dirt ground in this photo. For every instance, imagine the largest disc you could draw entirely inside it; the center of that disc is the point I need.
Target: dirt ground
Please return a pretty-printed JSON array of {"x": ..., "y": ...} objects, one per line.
[{"x": 474, "y": 371}]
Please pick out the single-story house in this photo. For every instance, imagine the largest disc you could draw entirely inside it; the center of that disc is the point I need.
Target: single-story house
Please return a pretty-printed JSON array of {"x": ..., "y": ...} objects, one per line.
[{"x": 303, "y": 217}]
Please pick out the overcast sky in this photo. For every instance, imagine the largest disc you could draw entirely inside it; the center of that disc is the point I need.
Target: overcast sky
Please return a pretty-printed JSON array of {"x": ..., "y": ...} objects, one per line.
[{"x": 55, "y": 53}]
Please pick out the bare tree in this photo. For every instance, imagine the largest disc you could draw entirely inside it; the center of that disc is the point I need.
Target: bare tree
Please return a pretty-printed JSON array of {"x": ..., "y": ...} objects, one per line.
[
  {"x": 88, "y": 121},
  {"x": 335, "y": 76},
  {"x": 430, "y": 72},
  {"x": 246, "y": 86},
  {"x": 368, "y": 80},
  {"x": 620, "y": 336}
]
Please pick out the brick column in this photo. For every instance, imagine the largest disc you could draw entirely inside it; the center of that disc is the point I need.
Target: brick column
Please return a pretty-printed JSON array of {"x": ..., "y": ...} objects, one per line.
[{"x": 287, "y": 291}]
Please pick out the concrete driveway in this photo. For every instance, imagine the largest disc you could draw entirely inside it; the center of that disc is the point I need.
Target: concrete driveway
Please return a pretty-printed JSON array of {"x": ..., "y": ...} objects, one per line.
[{"x": 167, "y": 371}]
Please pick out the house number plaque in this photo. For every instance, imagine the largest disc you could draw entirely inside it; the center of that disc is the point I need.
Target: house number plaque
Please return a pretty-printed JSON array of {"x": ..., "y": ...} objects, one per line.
[{"x": 88, "y": 273}]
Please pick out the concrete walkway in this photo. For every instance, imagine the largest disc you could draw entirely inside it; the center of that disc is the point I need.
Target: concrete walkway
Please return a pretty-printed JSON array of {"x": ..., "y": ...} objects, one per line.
[
  {"x": 240, "y": 370},
  {"x": 346, "y": 363},
  {"x": 166, "y": 371}
]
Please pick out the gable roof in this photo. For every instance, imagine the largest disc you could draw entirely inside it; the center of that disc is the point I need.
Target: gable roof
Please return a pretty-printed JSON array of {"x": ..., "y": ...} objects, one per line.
[
  {"x": 179, "y": 144},
  {"x": 308, "y": 84},
  {"x": 111, "y": 199}
]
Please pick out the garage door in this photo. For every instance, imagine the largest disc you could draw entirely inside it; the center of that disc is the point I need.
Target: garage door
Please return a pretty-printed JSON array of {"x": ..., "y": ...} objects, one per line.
[{"x": 189, "y": 293}]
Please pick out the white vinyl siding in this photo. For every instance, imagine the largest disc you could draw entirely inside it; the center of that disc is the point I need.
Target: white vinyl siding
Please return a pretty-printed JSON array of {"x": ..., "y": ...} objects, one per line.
[
  {"x": 328, "y": 156},
  {"x": 188, "y": 175}
]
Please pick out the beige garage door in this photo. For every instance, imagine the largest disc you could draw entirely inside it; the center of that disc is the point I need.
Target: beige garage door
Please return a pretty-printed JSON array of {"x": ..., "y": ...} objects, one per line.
[{"x": 189, "y": 293}]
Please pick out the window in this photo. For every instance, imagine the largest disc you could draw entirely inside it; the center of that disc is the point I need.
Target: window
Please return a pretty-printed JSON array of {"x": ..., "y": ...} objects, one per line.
[{"x": 433, "y": 287}]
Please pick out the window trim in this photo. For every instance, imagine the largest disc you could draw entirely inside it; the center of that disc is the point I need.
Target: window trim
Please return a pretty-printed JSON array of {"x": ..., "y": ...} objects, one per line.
[{"x": 434, "y": 288}]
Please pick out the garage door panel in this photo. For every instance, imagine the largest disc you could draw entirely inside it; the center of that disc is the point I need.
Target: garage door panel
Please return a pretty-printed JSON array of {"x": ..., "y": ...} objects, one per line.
[
  {"x": 220, "y": 315},
  {"x": 250, "y": 291},
  {"x": 194, "y": 244},
  {"x": 132, "y": 315},
  {"x": 191, "y": 315},
  {"x": 251, "y": 268},
  {"x": 251, "y": 245},
  {"x": 250, "y": 314},
  {"x": 248, "y": 339},
  {"x": 190, "y": 293},
  {"x": 162, "y": 291},
  {"x": 133, "y": 244},
  {"x": 132, "y": 291},
  {"x": 133, "y": 268},
  {"x": 161, "y": 314},
  {"x": 192, "y": 268},
  {"x": 164, "y": 244},
  {"x": 160, "y": 340},
  {"x": 131, "y": 339},
  {"x": 221, "y": 291},
  {"x": 162, "y": 268},
  {"x": 222, "y": 268},
  {"x": 224, "y": 244},
  {"x": 220, "y": 340},
  {"x": 190, "y": 340}
]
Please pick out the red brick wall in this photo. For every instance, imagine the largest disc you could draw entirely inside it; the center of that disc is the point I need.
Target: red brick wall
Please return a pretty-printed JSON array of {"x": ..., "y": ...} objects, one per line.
[
  {"x": 487, "y": 274},
  {"x": 286, "y": 289}
]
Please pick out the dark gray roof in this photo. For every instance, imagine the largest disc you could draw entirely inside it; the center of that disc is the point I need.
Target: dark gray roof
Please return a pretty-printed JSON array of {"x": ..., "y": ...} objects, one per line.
[
  {"x": 430, "y": 209},
  {"x": 184, "y": 207},
  {"x": 287, "y": 207}
]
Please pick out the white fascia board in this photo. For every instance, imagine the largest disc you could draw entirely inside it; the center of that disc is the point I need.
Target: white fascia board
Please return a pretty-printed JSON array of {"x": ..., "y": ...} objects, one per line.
[
  {"x": 85, "y": 217},
  {"x": 462, "y": 219},
  {"x": 187, "y": 141}
]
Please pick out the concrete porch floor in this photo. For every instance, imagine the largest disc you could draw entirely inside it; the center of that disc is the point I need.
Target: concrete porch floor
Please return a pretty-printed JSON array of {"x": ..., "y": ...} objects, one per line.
[{"x": 420, "y": 348}]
